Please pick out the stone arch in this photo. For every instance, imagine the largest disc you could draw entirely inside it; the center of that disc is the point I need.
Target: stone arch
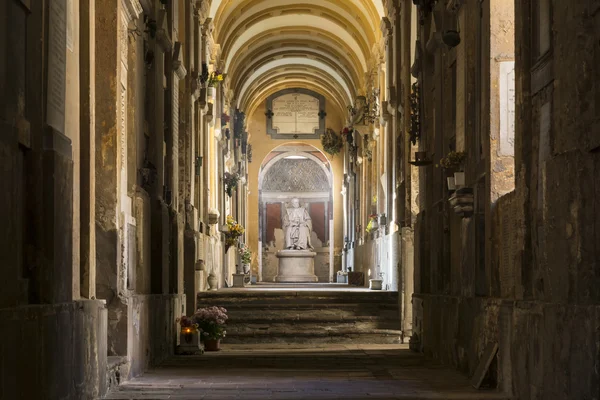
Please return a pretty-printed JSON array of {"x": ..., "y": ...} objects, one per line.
[{"x": 295, "y": 170}]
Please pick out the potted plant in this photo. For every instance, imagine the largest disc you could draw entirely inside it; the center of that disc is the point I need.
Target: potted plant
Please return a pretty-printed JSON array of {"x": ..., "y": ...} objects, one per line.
[
  {"x": 231, "y": 180},
  {"x": 214, "y": 79},
  {"x": 213, "y": 216},
  {"x": 454, "y": 161},
  {"x": 372, "y": 225},
  {"x": 246, "y": 258},
  {"x": 232, "y": 232},
  {"x": 189, "y": 337},
  {"x": 225, "y": 119},
  {"x": 346, "y": 134},
  {"x": 211, "y": 323}
]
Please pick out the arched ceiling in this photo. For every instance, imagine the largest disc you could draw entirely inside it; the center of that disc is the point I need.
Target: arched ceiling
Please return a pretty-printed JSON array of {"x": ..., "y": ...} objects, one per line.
[{"x": 322, "y": 45}]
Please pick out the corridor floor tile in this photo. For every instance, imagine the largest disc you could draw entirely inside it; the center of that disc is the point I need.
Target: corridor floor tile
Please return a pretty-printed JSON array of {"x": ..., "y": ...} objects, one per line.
[{"x": 261, "y": 372}]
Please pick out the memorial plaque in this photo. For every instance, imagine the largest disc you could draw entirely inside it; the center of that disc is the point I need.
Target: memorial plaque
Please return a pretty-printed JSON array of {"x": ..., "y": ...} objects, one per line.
[
  {"x": 131, "y": 255},
  {"x": 295, "y": 113},
  {"x": 70, "y": 22},
  {"x": 57, "y": 64},
  {"x": 507, "y": 108}
]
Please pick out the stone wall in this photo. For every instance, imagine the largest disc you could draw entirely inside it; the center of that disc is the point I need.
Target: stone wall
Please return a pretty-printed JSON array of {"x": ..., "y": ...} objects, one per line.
[
  {"x": 153, "y": 330},
  {"x": 53, "y": 351},
  {"x": 536, "y": 292}
]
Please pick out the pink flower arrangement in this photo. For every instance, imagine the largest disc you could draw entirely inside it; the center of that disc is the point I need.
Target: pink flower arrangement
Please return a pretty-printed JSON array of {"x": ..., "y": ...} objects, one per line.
[{"x": 211, "y": 322}]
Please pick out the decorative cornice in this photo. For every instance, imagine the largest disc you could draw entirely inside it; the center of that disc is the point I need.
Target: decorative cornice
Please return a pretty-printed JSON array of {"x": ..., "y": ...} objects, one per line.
[
  {"x": 202, "y": 9},
  {"x": 162, "y": 34},
  {"x": 215, "y": 53},
  {"x": 132, "y": 8},
  {"x": 147, "y": 6},
  {"x": 178, "y": 66},
  {"x": 386, "y": 27},
  {"x": 393, "y": 8},
  {"x": 208, "y": 27},
  {"x": 385, "y": 112},
  {"x": 415, "y": 69}
]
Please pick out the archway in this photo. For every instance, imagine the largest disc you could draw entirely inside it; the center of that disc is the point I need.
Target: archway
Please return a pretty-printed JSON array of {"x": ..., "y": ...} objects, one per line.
[{"x": 295, "y": 170}]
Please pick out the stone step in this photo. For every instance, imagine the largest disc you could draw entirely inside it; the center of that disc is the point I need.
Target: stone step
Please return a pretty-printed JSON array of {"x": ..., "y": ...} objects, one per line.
[
  {"x": 300, "y": 327},
  {"x": 349, "y": 336},
  {"x": 362, "y": 308},
  {"x": 311, "y": 315},
  {"x": 308, "y": 316},
  {"x": 244, "y": 299}
]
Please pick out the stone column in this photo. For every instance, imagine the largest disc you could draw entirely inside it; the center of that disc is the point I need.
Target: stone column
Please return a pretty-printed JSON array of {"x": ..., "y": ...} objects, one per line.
[
  {"x": 193, "y": 241},
  {"x": 113, "y": 206},
  {"x": 57, "y": 165},
  {"x": 160, "y": 214},
  {"x": 21, "y": 153},
  {"x": 389, "y": 105},
  {"x": 174, "y": 72},
  {"x": 87, "y": 188}
]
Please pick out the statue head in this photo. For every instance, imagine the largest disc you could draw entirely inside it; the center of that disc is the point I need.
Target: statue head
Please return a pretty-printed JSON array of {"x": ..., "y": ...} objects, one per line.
[
  {"x": 295, "y": 203},
  {"x": 361, "y": 102}
]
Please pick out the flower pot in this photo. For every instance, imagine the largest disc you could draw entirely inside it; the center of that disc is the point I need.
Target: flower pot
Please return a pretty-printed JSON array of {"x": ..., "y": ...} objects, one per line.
[
  {"x": 451, "y": 184},
  {"x": 420, "y": 155},
  {"x": 211, "y": 93},
  {"x": 459, "y": 179},
  {"x": 212, "y": 344},
  {"x": 212, "y": 281},
  {"x": 375, "y": 284},
  {"x": 246, "y": 268}
]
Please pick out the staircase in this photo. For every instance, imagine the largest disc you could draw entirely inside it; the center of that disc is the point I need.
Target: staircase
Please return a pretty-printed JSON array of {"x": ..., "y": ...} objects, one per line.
[{"x": 308, "y": 316}]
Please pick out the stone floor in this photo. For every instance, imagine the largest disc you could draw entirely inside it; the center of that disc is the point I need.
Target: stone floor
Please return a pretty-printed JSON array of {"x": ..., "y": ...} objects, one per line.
[
  {"x": 295, "y": 287},
  {"x": 302, "y": 372}
]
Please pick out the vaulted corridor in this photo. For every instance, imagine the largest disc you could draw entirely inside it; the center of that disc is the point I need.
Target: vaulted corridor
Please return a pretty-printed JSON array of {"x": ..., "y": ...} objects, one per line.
[{"x": 389, "y": 198}]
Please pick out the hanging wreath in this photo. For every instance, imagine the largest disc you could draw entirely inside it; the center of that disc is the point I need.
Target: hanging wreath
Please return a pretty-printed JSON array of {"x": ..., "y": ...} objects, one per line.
[{"x": 332, "y": 142}]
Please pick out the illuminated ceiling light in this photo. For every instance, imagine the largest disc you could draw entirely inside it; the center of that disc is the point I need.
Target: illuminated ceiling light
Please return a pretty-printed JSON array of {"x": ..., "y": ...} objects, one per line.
[{"x": 295, "y": 158}]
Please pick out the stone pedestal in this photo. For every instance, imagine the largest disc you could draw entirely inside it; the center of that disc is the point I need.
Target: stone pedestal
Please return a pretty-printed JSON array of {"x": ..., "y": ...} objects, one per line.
[
  {"x": 190, "y": 344},
  {"x": 241, "y": 280},
  {"x": 375, "y": 284},
  {"x": 296, "y": 266}
]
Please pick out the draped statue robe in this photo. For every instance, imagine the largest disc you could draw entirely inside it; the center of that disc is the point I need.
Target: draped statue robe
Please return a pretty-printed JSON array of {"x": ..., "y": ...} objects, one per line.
[{"x": 298, "y": 227}]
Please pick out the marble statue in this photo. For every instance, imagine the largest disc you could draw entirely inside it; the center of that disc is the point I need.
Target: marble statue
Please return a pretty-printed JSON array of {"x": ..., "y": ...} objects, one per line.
[{"x": 297, "y": 226}]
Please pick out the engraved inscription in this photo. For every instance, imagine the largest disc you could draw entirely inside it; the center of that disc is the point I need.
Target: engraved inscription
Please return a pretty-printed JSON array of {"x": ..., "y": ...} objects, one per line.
[
  {"x": 507, "y": 108},
  {"x": 123, "y": 124},
  {"x": 295, "y": 113}
]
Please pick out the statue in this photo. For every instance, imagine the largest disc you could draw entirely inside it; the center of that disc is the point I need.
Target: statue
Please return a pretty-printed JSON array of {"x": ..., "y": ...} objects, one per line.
[
  {"x": 298, "y": 227},
  {"x": 358, "y": 111}
]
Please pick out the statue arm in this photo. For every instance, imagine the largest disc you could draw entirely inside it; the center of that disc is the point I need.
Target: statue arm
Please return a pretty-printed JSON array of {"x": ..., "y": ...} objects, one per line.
[{"x": 308, "y": 220}]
